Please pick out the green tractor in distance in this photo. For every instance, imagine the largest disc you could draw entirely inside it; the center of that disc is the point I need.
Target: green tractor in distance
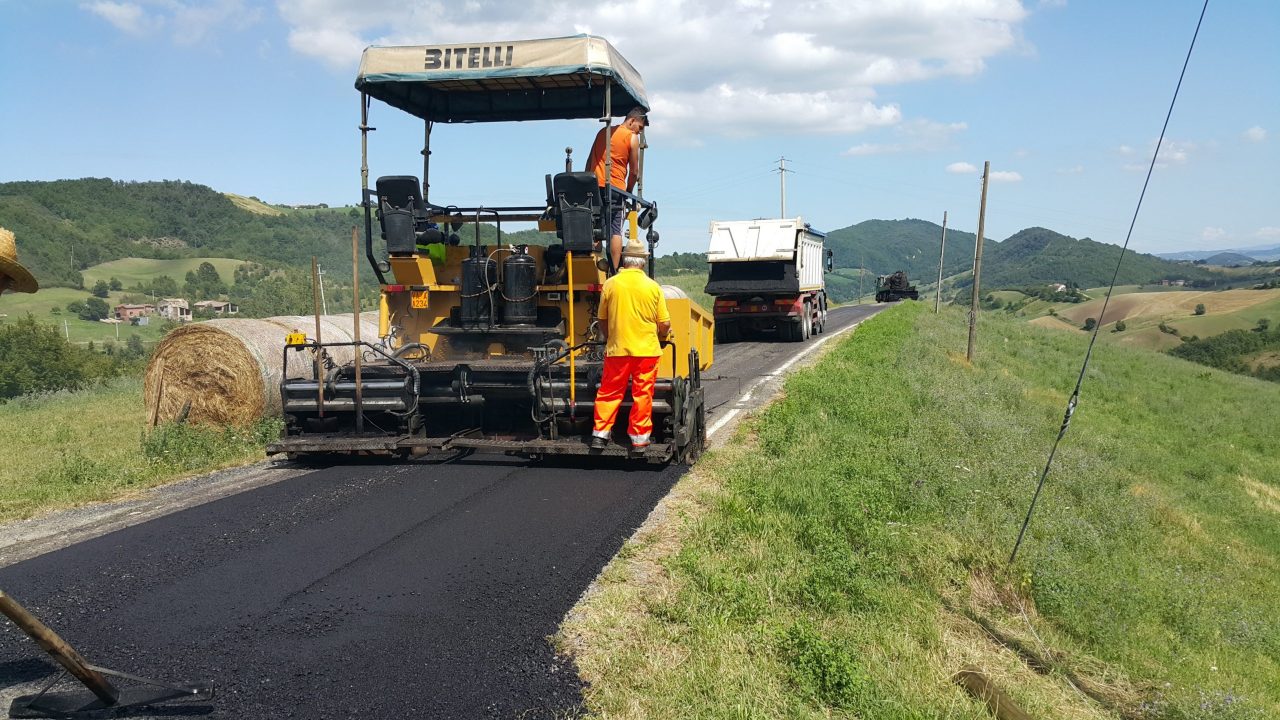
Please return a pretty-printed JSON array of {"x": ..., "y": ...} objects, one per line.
[{"x": 890, "y": 288}]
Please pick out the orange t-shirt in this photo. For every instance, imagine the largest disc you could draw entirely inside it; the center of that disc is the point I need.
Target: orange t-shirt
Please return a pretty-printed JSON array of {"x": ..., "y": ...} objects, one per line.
[{"x": 620, "y": 153}]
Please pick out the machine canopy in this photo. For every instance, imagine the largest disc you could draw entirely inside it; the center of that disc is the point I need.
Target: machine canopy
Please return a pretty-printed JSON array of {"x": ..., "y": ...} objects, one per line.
[{"x": 552, "y": 79}]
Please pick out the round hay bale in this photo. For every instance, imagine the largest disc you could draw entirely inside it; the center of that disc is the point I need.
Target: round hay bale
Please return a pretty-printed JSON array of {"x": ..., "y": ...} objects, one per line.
[{"x": 227, "y": 371}]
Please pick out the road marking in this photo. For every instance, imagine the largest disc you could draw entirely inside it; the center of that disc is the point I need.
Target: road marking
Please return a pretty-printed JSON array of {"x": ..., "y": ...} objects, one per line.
[{"x": 740, "y": 405}]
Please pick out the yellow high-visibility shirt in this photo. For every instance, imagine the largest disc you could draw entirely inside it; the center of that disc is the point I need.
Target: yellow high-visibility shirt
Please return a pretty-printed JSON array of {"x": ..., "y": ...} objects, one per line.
[{"x": 632, "y": 305}]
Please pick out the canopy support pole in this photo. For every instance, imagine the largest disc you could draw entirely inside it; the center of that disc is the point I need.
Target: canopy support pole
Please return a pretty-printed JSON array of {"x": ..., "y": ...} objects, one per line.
[
  {"x": 364, "y": 187},
  {"x": 426, "y": 162},
  {"x": 607, "y": 190}
]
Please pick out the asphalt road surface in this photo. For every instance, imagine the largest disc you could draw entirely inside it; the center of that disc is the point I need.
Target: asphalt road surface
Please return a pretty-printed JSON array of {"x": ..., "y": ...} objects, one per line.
[{"x": 416, "y": 590}]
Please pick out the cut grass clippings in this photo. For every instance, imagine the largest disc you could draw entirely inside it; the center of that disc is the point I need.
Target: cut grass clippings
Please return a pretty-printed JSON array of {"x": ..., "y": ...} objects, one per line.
[
  {"x": 848, "y": 554},
  {"x": 68, "y": 448}
]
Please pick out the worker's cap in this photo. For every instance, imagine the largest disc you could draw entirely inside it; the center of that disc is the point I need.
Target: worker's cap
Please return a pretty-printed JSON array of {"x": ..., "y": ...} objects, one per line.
[
  {"x": 635, "y": 248},
  {"x": 20, "y": 278},
  {"x": 639, "y": 112}
]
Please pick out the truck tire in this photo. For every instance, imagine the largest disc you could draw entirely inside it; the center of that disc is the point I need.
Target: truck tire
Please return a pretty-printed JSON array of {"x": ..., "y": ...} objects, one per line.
[
  {"x": 806, "y": 323},
  {"x": 728, "y": 332}
]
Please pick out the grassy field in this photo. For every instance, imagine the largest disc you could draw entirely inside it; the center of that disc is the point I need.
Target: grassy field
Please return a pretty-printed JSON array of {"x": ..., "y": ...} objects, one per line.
[
  {"x": 847, "y": 553},
  {"x": 132, "y": 271},
  {"x": 254, "y": 206},
  {"x": 43, "y": 304},
  {"x": 69, "y": 448}
]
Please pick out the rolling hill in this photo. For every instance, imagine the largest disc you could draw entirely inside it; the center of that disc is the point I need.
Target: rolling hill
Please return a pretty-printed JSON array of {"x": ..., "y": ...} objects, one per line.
[
  {"x": 1033, "y": 256},
  {"x": 66, "y": 226},
  {"x": 1229, "y": 259},
  {"x": 884, "y": 246}
]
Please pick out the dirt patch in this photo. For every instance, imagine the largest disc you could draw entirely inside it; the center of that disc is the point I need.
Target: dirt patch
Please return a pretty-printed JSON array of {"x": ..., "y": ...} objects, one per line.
[
  {"x": 1265, "y": 496},
  {"x": 1165, "y": 305},
  {"x": 1263, "y": 360}
]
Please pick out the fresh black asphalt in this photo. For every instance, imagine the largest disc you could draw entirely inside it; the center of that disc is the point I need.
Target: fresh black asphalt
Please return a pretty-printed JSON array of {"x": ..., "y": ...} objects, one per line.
[{"x": 416, "y": 590}]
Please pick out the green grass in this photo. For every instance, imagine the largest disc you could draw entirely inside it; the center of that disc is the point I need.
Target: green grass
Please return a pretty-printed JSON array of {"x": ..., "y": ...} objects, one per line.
[
  {"x": 840, "y": 558},
  {"x": 132, "y": 271},
  {"x": 70, "y": 448},
  {"x": 692, "y": 284}
]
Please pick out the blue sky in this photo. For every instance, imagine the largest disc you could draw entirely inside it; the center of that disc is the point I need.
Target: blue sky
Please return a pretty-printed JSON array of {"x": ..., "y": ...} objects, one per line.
[{"x": 883, "y": 109}]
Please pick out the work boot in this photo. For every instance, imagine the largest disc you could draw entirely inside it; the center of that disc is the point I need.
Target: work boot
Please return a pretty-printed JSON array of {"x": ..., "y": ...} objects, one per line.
[{"x": 599, "y": 443}]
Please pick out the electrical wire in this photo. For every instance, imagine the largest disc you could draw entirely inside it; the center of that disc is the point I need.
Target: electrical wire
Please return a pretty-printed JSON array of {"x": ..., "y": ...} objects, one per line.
[{"x": 1075, "y": 395}]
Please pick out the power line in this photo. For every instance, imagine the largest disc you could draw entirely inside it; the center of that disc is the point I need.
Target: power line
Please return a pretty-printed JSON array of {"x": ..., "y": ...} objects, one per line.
[{"x": 1097, "y": 327}]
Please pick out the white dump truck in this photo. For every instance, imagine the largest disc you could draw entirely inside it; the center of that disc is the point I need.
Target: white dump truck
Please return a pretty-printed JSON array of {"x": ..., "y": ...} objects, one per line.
[{"x": 767, "y": 277}]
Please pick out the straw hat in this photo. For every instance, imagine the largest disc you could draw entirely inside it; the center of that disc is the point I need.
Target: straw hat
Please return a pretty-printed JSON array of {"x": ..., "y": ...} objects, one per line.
[
  {"x": 634, "y": 248},
  {"x": 20, "y": 278}
]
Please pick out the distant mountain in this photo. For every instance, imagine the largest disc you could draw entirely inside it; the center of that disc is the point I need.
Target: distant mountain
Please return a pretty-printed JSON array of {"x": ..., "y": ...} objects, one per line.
[
  {"x": 1038, "y": 255},
  {"x": 1256, "y": 252},
  {"x": 1030, "y": 257},
  {"x": 1229, "y": 259}
]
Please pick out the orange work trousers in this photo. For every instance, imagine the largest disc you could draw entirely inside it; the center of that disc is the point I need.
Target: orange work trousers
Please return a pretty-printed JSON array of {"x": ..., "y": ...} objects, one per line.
[{"x": 618, "y": 369}]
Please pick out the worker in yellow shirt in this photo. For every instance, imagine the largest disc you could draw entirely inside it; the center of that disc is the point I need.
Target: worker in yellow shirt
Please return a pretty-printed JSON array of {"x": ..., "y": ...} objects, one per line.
[{"x": 633, "y": 319}]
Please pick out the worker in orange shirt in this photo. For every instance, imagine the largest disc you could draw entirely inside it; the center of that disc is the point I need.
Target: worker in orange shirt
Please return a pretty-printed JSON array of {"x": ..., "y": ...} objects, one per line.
[
  {"x": 633, "y": 319},
  {"x": 624, "y": 154}
]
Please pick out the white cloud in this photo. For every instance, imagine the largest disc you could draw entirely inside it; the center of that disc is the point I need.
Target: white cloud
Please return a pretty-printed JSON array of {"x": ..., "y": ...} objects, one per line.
[
  {"x": 1172, "y": 152},
  {"x": 1175, "y": 153},
  {"x": 961, "y": 168},
  {"x": 1213, "y": 234},
  {"x": 1006, "y": 176},
  {"x": 913, "y": 136},
  {"x": 1073, "y": 170},
  {"x": 1269, "y": 233},
  {"x": 127, "y": 17},
  {"x": 191, "y": 22},
  {"x": 1255, "y": 134},
  {"x": 731, "y": 67}
]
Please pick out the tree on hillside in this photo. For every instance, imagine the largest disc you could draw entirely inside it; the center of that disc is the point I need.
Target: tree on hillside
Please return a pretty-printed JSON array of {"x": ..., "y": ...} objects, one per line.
[
  {"x": 162, "y": 287},
  {"x": 1263, "y": 325},
  {"x": 1090, "y": 323},
  {"x": 115, "y": 284},
  {"x": 204, "y": 282},
  {"x": 1120, "y": 326},
  {"x": 101, "y": 289},
  {"x": 1200, "y": 309},
  {"x": 94, "y": 309}
]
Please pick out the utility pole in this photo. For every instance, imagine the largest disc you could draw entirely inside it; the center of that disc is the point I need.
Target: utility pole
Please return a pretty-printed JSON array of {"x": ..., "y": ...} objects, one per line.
[
  {"x": 862, "y": 269},
  {"x": 324, "y": 305},
  {"x": 782, "y": 178},
  {"x": 941, "y": 253},
  {"x": 977, "y": 263}
]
